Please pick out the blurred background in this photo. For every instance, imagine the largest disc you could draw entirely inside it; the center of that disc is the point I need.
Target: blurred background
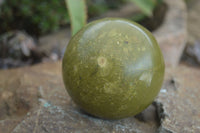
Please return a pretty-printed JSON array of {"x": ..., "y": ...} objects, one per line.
[{"x": 37, "y": 31}]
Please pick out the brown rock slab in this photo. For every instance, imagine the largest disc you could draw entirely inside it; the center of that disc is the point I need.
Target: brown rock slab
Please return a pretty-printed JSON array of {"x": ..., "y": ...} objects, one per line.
[
  {"x": 18, "y": 93},
  {"x": 172, "y": 35},
  {"x": 51, "y": 109},
  {"x": 193, "y": 20},
  {"x": 51, "y": 118},
  {"x": 47, "y": 107},
  {"x": 6, "y": 126},
  {"x": 180, "y": 100},
  {"x": 191, "y": 54}
]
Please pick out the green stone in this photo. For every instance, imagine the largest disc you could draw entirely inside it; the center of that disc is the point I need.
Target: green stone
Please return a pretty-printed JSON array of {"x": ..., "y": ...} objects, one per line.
[{"x": 113, "y": 68}]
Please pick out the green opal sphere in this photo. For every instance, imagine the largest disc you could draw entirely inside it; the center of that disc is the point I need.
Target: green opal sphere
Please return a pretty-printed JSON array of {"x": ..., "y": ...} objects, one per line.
[{"x": 113, "y": 68}]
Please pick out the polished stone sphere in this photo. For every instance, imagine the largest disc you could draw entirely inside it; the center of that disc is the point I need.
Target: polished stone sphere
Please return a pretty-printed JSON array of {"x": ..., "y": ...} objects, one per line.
[{"x": 113, "y": 68}]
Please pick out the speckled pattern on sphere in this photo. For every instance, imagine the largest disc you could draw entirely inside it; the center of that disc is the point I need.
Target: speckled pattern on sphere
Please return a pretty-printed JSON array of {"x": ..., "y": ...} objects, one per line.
[{"x": 113, "y": 68}]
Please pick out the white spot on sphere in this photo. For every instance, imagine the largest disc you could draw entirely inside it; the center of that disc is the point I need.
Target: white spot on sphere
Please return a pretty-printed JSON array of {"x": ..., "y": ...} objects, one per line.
[{"x": 102, "y": 61}]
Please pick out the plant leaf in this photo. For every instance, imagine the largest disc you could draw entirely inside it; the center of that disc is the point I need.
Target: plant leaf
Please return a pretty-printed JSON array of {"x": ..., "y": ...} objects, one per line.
[
  {"x": 146, "y": 6},
  {"x": 77, "y": 13}
]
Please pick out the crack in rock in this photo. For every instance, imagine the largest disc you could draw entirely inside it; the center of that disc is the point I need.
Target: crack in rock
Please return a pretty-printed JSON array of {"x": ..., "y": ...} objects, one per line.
[{"x": 161, "y": 116}]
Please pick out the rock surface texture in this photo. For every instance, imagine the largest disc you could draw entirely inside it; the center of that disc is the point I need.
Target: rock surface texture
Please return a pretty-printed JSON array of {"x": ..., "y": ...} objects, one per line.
[
  {"x": 44, "y": 105},
  {"x": 179, "y": 98}
]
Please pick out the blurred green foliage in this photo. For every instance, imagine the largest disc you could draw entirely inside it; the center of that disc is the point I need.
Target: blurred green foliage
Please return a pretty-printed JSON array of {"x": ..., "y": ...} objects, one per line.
[
  {"x": 43, "y": 16},
  {"x": 78, "y": 11},
  {"x": 35, "y": 16},
  {"x": 146, "y": 6},
  {"x": 97, "y": 7},
  {"x": 78, "y": 14}
]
